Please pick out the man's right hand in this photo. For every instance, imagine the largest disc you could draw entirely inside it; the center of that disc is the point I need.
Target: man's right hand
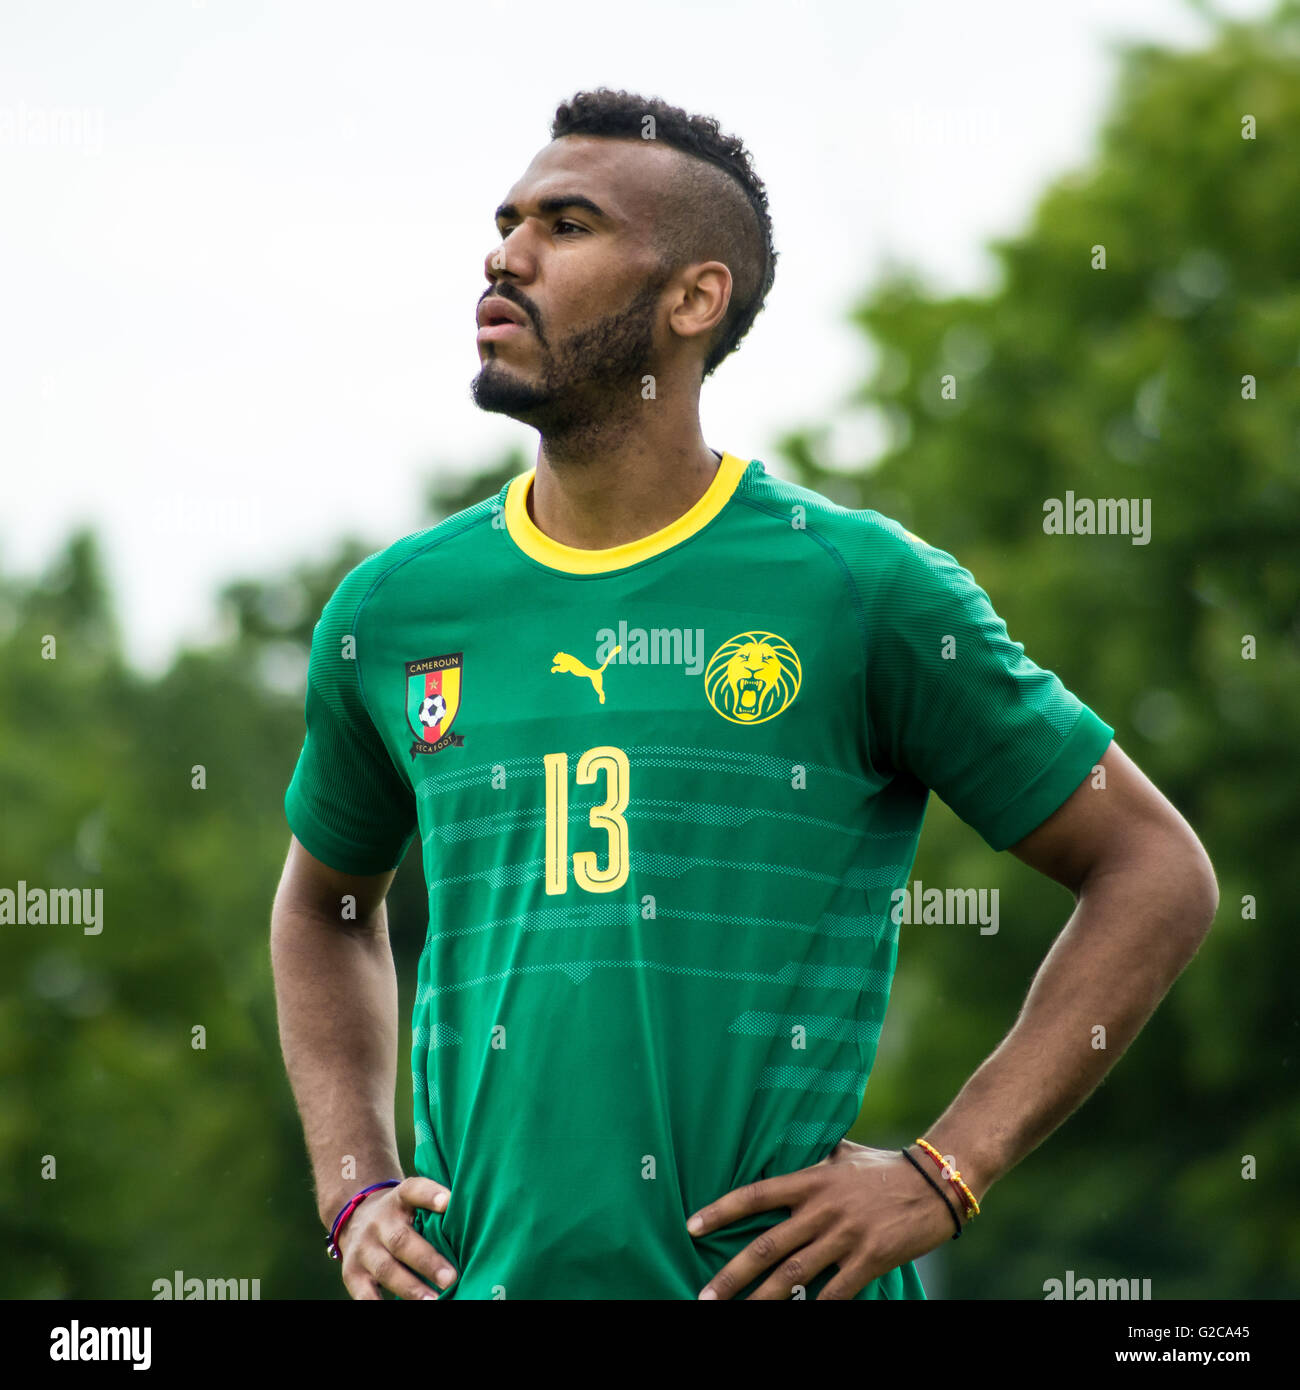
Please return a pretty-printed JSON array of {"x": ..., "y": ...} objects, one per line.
[{"x": 380, "y": 1247}]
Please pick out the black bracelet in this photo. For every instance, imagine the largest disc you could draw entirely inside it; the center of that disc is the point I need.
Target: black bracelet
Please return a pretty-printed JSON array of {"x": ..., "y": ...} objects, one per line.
[{"x": 943, "y": 1196}]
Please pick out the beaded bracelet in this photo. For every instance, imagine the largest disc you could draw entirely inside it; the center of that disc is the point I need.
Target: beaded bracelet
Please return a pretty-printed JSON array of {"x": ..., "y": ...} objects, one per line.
[
  {"x": 943, "y": 1196},
  {"x": 953, "y": 1176},
  {"x": 341, "y": 1220}
]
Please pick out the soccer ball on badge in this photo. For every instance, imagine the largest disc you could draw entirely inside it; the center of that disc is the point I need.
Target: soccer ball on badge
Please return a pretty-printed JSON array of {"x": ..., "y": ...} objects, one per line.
[{"x": 433, "y": 710}]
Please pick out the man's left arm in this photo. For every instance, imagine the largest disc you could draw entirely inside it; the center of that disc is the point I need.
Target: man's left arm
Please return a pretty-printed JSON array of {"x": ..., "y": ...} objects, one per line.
[{"x": 1146, "y": 896}]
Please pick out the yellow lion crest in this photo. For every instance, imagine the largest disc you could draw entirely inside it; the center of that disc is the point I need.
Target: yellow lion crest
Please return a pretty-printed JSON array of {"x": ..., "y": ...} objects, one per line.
[{"x": 752, "y": 677}]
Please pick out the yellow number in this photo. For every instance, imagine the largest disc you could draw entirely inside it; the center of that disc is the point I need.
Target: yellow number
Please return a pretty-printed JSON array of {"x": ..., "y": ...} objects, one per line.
[
  {"x": 609, "y": 817},
  {"x": 557, "y": 822}
]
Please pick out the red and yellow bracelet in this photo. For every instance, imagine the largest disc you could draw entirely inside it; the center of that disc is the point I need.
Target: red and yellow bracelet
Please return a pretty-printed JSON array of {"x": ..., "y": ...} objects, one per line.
[{"x": 954, "y": 1177}]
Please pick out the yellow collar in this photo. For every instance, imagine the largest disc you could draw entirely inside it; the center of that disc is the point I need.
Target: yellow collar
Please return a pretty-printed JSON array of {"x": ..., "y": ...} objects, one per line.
[{"x": 540, "y": 547}]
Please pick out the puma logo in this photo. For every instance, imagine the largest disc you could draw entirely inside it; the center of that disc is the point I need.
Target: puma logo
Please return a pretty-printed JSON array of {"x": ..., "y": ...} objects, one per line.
[{"x": 565, "y": 662}]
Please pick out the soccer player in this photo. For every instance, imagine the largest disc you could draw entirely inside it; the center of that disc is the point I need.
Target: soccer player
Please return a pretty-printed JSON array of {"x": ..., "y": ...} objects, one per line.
[{"x": 666, "y": 727}]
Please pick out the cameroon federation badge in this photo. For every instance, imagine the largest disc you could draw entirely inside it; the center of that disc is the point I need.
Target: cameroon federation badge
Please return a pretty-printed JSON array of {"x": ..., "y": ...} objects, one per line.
[
  {"x": 432, "y": 700},
  {"x": 752, "y": 677}
]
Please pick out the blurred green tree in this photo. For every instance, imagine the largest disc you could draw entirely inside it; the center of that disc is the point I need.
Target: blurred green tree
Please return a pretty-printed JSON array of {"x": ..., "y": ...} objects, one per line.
[
  {"x": 1126, "y": 381},
  {"x": 1168, "y": 375}
]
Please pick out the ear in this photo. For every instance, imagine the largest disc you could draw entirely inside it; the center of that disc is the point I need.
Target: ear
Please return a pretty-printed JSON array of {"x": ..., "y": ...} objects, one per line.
[{"x": 705, "y": 298}]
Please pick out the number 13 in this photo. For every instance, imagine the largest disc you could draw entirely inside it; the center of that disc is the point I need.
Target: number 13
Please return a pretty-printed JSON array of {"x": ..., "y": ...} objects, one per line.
[{"x": 609, "y": 817}]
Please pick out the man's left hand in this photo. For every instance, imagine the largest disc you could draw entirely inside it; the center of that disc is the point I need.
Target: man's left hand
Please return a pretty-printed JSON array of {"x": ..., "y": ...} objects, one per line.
[{"x": 866, "y": 1210}]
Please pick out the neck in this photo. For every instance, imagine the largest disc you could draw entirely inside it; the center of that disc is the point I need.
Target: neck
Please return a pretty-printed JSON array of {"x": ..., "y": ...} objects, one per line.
[{"x": 613, "y": 483}]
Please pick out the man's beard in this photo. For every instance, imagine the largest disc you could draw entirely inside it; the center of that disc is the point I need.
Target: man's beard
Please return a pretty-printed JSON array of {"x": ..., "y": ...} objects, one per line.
[{"x": 583, "y": 377}]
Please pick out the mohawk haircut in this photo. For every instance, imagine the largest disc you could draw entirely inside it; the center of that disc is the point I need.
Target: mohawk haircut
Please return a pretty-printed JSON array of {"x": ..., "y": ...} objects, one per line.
[{"x": 715, "y": 211}]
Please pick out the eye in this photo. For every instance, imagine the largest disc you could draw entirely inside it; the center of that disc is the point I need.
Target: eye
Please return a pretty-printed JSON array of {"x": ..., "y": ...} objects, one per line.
[{"x": 504, "y": 232}]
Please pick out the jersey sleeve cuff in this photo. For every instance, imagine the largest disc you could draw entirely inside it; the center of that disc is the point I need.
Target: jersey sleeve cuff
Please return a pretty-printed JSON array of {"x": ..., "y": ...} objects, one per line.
[
  {"x": 331, "y": 848},
  {"x": 1048, "y": 792}
]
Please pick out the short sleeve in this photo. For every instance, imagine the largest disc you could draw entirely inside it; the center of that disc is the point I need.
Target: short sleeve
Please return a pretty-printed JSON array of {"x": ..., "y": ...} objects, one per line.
[
  {"x": 346, "y": 802},
  {"x": 956, "y": 703}
]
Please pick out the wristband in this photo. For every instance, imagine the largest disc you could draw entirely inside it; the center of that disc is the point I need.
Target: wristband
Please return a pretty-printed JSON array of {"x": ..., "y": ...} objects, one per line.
[
  {"x": 952, "y": 1211},
  {"x": 341, "y": 1220},
  {"x": 953, "y": 1176}
]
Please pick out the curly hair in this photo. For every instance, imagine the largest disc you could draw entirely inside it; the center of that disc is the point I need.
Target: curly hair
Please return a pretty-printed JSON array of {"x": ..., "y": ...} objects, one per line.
[{"x": 717, "y": 209}]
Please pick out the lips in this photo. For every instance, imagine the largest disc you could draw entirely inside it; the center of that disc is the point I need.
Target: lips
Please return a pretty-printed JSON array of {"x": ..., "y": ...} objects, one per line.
[
  {"x": 495, "y": 311},
  {"x": 498, "y": 319}
]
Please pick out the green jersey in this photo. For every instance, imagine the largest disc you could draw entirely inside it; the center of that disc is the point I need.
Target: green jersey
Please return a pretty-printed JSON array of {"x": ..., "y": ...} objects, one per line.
[{"x": 665, "y": 793}]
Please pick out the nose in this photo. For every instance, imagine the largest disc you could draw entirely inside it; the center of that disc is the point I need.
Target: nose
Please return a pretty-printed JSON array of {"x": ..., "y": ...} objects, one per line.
[
  {"x": 508, "y": 257},
  {"x": 494, "y": 264}
]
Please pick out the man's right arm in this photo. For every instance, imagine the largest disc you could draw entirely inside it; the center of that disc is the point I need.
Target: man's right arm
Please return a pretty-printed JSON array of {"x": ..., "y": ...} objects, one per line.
[
  {"x": 336, "y": 998},
  {"x": 336, "y": 995}
]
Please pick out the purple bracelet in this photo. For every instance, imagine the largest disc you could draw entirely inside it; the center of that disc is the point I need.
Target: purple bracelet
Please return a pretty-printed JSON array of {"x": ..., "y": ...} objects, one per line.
[{"x": 331, "y": 1246}]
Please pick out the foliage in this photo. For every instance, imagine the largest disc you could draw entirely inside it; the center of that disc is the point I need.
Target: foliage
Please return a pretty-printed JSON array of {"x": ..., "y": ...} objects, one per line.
[
  {"x": 1126, "y": 381},
  {"x": 1118, "y": 382}
]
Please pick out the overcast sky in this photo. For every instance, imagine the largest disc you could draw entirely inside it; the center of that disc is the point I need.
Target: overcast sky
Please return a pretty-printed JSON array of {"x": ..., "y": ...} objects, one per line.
[{"x": 243, "y": 240}]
